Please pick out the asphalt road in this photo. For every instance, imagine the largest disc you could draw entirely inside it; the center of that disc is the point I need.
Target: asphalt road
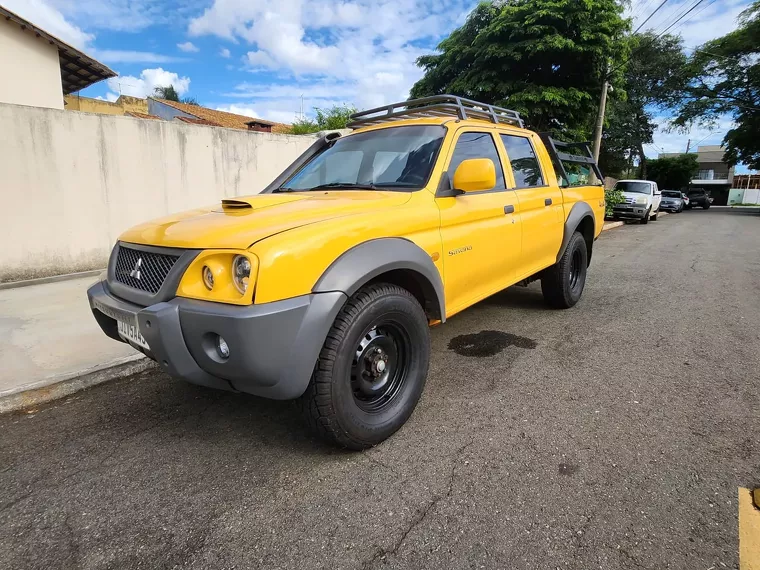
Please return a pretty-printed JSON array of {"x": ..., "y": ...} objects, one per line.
[{"x": 612, "y": 435}]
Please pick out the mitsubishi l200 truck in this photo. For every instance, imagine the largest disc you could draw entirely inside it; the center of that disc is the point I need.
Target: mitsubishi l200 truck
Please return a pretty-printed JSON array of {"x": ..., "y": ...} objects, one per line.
[{"x": 323, "y": 287}]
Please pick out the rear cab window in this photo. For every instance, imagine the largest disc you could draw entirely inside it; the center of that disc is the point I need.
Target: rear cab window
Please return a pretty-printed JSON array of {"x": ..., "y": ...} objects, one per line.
[{"x": 522, "y": 157}]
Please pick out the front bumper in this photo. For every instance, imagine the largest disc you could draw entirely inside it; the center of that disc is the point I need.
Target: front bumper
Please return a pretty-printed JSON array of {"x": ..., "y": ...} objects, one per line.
[
  {"x": 273, "y": 346},
  {"x": 670, "y": 207},
  {"x": 634, "y": 211}
]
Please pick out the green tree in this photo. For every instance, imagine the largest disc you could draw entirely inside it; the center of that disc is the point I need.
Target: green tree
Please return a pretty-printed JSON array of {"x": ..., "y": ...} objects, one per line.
[
  {"x": 654, "y": 77},
  {"x": 726, "y": 74},
  {"x": 675, "y": 172},
  {"x": 544, "y": 58},
  {"x": 336, "y": 117},
  {"x": 169, "y": 93}
]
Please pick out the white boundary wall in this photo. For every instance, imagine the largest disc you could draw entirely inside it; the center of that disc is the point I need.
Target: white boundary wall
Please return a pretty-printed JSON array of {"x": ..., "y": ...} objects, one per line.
[{"x": 71, "y": 182}]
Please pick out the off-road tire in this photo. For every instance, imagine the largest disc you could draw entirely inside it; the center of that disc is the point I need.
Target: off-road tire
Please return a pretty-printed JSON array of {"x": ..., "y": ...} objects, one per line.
[
  {"x": 645, "y": 219},
  {"x": 561, "y": 287},
  {"x": 330, "y": 404}
]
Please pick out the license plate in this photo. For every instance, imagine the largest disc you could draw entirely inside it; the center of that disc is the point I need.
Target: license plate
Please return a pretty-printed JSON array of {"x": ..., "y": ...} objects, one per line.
[{"x": 132, "y": 333}]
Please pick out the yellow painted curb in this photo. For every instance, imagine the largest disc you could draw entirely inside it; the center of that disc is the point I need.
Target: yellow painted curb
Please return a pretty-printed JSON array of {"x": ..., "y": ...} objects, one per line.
[{"x": 749, "y": 531}]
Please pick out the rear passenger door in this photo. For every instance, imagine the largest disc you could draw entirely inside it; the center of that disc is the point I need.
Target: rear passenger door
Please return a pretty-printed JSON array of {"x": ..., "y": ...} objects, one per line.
[{"x": 540, "y": 200}]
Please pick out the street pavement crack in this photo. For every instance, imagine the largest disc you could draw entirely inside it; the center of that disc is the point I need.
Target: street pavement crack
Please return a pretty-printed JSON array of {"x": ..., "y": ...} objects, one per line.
[{"x": 422, "y": 513}]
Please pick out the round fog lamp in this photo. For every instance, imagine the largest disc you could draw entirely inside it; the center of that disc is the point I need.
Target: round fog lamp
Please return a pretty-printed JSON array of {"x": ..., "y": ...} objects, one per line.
[
  {"x": 222, "y": 348},
  {"x": 241, "y": 272},
  {"x": 208, "y": 277}
]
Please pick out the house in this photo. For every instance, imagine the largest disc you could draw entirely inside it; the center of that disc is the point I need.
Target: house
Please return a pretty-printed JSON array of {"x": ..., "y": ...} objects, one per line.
[
  {"x": 195, "y": 114},
  {"x": 124, "y": 105},
  {"x": 714, "y": 175},
  {"x": 38, "y": 69}
]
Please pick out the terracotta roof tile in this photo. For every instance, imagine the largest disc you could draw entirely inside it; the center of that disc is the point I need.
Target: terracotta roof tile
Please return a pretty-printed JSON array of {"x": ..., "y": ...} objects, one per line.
[
  {"x": 139, "y": 115},
  {"x": 221, "y": 118},
  {"x": 194, "y": 121}
]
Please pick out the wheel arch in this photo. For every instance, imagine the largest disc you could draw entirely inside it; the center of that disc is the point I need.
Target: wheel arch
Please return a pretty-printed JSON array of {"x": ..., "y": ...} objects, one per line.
[
  {"x": 581, "y": 219},
  {"x": 392, "y": 260}
]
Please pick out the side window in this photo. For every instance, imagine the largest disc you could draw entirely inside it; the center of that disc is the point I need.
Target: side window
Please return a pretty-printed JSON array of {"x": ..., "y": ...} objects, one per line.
[
  {"x": 525, "y": 165},
  {"x": 477, "y": 145}
]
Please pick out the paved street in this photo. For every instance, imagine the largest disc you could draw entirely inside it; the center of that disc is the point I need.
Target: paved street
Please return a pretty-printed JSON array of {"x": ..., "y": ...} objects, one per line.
[{"x": 612, "y": 435}]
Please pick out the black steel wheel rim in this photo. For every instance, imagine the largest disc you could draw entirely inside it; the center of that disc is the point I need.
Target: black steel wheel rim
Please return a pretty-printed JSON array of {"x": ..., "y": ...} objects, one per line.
[
  {"x": 380, "y": 366},
  {"x": 576, "y": 267}
]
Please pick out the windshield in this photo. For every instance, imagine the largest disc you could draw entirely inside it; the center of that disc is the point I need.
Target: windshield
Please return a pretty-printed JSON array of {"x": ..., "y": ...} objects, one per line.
[
  {"x": 670, "y": 194},
  {"x": 396, "y": 158},
  {"x": 637, "y": 187}
]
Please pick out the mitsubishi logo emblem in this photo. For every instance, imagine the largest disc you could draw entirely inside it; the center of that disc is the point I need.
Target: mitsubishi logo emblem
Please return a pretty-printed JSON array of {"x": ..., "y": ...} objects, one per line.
[{"x": 136, "y": 271}]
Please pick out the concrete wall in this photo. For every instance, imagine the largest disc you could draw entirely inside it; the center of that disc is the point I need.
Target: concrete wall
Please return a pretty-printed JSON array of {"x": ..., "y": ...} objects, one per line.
[
  {"x": 30, "y": 71},
  {"x": 119, "y": 107},
  {"x": 70, "y": 183}
]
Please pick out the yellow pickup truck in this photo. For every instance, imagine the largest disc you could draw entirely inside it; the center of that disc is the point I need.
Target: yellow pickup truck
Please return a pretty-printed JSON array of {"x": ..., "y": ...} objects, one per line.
[{"x": 323, "y": 287}]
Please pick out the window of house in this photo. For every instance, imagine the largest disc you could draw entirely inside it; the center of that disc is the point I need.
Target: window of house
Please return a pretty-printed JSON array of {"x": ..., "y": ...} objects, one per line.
[
  {"x": 525, "y": 167},
  {"x": 477, "y": 145}
]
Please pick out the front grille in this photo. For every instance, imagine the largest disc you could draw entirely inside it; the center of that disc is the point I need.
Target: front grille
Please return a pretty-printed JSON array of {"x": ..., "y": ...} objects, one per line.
[{"x": 143, "y": 270}]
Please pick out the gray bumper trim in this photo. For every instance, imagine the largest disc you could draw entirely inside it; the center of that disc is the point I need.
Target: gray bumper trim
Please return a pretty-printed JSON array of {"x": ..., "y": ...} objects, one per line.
[{"x": 273, "y": 347}]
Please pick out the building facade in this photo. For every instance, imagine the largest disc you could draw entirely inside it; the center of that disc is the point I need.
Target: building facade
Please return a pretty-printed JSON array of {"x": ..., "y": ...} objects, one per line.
[{"x": 714, "y": 175}]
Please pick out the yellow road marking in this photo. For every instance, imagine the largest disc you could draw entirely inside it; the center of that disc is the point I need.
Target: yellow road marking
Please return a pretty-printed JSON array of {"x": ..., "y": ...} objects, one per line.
[{"x": 749, "y": 531}]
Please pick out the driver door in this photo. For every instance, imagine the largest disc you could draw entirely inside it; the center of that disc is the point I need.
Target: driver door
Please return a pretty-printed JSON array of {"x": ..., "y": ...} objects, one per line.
[{"x": 480, "y": 231}]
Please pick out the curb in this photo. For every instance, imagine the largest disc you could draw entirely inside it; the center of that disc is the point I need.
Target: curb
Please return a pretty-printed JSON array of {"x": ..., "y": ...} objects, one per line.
[
  {"x": 613, "y": 225},
  {"x": 51, "y": 279},
  {"x": 59, "y": 387}
]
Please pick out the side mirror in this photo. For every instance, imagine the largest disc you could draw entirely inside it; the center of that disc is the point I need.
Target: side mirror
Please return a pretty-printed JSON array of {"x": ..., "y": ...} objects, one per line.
[{"x": 474, "y": 175}]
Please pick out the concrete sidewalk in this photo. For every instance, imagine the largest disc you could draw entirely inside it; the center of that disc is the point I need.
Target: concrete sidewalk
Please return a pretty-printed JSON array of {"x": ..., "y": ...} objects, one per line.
[{"x": 51, "y": 339}]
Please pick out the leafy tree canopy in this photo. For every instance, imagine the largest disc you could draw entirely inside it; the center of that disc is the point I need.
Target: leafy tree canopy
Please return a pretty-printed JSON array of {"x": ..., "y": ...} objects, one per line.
[
  {"x": 654, "y": 77},
  {"x": 544, "y": 58},
  {"x": 336, "y": 117},
  {"x": 673, "y": 173},
  {"x": 169, "y": 93},
  {"x": 726, "y": 81}
]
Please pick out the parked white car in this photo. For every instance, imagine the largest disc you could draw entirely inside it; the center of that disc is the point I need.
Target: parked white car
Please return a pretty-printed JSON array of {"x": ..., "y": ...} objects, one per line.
[{"x": 642, "y": 200}]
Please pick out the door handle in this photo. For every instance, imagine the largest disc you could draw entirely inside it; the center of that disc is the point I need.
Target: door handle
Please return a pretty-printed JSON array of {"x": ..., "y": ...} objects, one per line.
[
  {"x": 509, "y": 209},
  {"x": 548, "y": 202}
]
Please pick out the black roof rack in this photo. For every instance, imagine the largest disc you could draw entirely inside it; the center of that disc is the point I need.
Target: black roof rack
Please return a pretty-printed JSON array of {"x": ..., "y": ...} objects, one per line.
[
  {"x": 436, "y": 106},
  {"x": 562, "y": 152}
]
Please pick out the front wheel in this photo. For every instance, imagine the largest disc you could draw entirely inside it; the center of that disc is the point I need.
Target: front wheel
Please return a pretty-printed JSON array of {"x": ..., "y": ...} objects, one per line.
[
  {"x": 706, "y": 207},
  {"x": 562, "y": 283},
  {"x": 372, "y": 368},
  {"x": 645, "y": 219},
  {"x": 654, "y": 216}
]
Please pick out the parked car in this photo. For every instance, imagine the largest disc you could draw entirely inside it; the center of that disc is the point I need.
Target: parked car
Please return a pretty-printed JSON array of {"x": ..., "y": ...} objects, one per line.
[
  {"x": 642, "y": 200},
  {"x": 698, "y": 197},
  {"x": 323, "y": 286},
  {"x": 672, "y": 201}
]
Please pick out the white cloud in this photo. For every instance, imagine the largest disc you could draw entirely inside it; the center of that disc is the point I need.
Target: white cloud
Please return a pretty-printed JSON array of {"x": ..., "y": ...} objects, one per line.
[
  {"x": 131, "y": 56},
  {"x": 240, "y": 110},
  {"x": 708, "y": 21},
  {"x": 357, "y": 51},
  {"x": 188, "y": 47},
  {"x": 224, "y": 52},
  {"x": 45, "y": 16},
  {"x": 144, "y": 85}
]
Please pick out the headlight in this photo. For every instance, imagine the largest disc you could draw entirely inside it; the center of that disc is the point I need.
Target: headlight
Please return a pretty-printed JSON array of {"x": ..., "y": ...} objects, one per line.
[
  {"x": 241, "y": 273},
  {"x": 641, "y": 200}
]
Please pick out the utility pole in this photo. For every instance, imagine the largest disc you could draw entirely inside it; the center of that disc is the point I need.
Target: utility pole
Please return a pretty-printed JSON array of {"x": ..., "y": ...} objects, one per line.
[
  {"x": 600, "y": 120},
  {"x": 688, "y": 146}
]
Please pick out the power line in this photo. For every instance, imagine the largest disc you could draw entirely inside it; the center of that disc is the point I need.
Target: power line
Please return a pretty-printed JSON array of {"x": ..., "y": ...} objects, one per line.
[
  {"x": 684, "y": 15},
  {"x": 650, "y": 16}
]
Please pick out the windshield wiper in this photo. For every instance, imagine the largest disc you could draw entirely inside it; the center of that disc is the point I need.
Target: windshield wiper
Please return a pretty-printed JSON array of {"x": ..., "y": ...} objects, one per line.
[{"x": 344, "y": 186}]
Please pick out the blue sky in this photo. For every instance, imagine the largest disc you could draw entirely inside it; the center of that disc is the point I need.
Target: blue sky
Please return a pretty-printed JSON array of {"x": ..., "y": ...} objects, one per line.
[{"x": 259, "y": 57}]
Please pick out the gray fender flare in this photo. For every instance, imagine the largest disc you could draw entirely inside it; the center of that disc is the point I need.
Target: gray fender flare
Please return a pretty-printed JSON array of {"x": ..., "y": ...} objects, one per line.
[
  {"x": 368, "y": 260},
  {"x": 578, "y": 212}
]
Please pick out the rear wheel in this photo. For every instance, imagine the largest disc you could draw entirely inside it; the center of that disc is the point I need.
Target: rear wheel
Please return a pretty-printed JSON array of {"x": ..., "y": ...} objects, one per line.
[
  {"x": 562, "y": 283},
  {"x": 706, "y": 206},
  {"x": 372, "y": 368}
]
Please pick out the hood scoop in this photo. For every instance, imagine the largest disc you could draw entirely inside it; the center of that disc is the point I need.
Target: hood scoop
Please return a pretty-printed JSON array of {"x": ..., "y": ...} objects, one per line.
[{"x": 236, "y": 205}]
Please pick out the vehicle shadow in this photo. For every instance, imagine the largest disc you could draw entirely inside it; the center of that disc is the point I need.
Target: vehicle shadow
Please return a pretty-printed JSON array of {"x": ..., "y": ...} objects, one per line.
[{"x": 526, "y": 298}]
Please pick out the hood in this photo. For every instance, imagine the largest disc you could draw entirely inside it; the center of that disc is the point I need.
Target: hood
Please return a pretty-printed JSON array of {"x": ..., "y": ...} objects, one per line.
[
  {"x": 631, "y": 197},
  {"x": 240, "y": 222}
]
